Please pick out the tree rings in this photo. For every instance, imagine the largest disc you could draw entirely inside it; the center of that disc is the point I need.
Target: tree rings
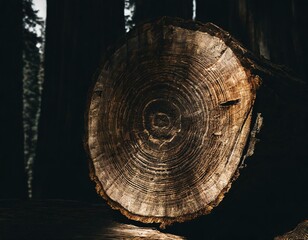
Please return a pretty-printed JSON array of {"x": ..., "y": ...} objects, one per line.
[{"x": 168, "y": 119}]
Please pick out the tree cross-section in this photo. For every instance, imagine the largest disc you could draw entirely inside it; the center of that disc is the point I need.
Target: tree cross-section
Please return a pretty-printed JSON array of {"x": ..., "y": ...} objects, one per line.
[{"x": 168, "y": 119}]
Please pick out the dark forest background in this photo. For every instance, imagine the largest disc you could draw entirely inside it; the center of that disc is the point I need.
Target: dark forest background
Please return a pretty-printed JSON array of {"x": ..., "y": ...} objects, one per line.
[{"x": 270, "y": 196}]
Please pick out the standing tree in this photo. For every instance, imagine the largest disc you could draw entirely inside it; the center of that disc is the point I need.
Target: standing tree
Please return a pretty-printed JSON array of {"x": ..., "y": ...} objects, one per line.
[
  {"x": 32, "y": 84},
  {"x": 150, "y": 9},
  {"x": 12, "y": 175},
  {"x": 77, "y": 35}
]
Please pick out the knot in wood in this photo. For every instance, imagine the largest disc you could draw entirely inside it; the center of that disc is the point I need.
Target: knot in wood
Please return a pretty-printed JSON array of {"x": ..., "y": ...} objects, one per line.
[{"x": 161, "y": 121}]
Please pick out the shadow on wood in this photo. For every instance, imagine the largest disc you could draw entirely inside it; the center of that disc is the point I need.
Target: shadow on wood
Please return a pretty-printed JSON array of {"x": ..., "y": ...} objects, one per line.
[{"x": 56, "y": 219}]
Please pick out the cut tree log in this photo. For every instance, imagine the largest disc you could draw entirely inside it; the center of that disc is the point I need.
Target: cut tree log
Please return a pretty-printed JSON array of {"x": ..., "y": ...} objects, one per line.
[{"x": 169, "y": 119}]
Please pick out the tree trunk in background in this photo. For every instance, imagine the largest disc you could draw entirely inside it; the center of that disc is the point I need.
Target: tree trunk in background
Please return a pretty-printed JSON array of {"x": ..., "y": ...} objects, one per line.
[
  {"x": 274, "y": 29},
  {"x": 216, "y": 12},
  {"x": 77, "y": 35},
  {"x": 12, "y": 172},
  {"x": 150, "y": 9}
]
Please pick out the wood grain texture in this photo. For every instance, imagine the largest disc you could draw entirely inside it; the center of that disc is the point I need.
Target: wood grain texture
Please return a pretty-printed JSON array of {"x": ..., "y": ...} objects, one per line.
[{"x": 168, "y": 120}]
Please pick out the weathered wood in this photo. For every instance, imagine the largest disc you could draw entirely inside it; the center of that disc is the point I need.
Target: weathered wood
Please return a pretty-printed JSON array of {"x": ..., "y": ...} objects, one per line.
[
  {"x": 58, "y": 219},
  {"x": 169, "y": 118}
]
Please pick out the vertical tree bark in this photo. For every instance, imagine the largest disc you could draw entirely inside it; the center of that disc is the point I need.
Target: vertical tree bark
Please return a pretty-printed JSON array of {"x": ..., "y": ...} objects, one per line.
[
  {"x": 216, "y": 12},
  {"x": 77, "y": 35},
  {"x": 272, "y": 29},
  {"x": 150, "y": 9},
  {"x": 12, "y": 175}
]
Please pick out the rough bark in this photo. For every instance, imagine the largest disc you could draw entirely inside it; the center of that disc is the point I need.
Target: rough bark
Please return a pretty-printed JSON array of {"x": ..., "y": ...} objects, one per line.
[
  {"x": 274, "y": 29},
  {"x": 169, "y": 118}
]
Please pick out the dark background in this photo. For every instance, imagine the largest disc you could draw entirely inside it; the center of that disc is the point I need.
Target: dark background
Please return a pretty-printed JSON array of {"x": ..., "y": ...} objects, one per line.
[{"x": 270, "y": 196}]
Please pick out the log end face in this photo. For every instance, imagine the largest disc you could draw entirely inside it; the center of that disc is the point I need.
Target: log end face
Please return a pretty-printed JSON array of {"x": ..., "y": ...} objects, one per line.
[{"x": 168, "y": 120}]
